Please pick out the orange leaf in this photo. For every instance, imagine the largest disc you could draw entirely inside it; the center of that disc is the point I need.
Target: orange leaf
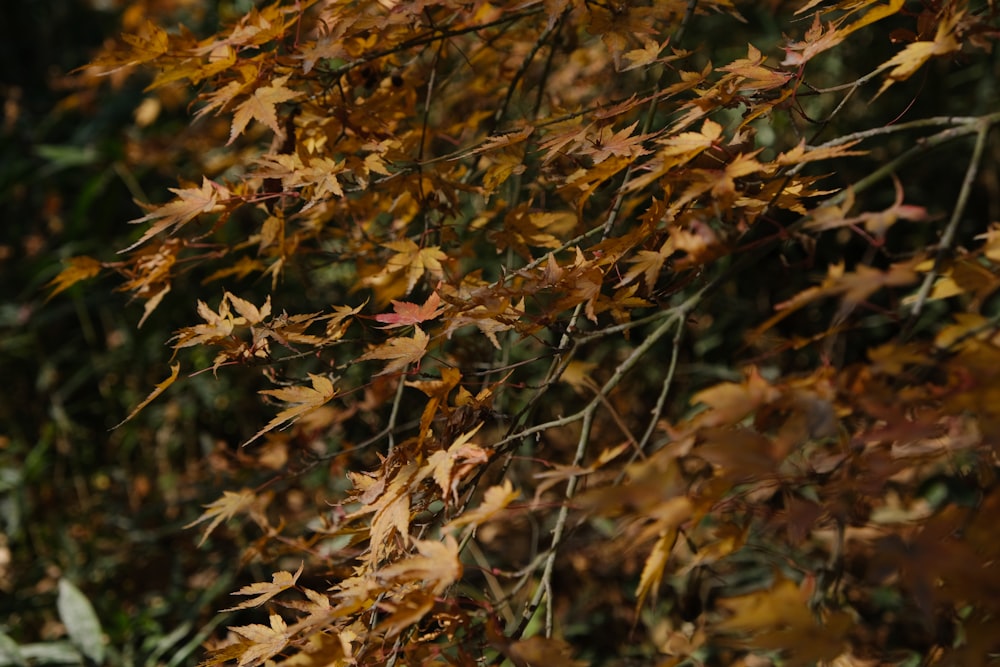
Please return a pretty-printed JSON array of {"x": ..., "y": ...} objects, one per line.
[
  {"x": 410, "y": 313},
  {"x": 415, "y": 261}
]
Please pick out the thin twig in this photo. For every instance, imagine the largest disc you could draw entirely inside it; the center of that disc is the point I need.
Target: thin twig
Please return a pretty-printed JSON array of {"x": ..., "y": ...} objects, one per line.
[{"x": 948, "y": 237}]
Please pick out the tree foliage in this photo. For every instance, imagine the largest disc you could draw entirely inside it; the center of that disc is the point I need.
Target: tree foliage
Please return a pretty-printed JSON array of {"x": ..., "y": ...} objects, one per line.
[{"x": 585, "y": 323}]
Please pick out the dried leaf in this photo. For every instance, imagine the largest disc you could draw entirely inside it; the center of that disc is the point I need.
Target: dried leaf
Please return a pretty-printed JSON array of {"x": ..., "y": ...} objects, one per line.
[
  {"x": 400, "y": 352},
  {"x": 280, "y": 581},
  {"x": 301, "y": 400},
  {"x": 160, "y": 388},
  {"x": 261, "y": 107},
  {"x": 79, "y": 268}
]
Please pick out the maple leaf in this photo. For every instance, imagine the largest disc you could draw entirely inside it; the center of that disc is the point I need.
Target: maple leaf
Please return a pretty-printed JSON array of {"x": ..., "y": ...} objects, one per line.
[
  {"x": 817, "y": 40},
  {"x": 190, "y": 203},
  {"x": 913, "y": 57},
  {"x": 438, "y": 565},
  {"x": 217, "y": 325},
  {"x": 280, "y": 581},
  {"x": 541, "y": 650},
  {"x": 730, "y": 402},
  {"x": 400, "y": 352},
  {"x": 689, "y": 144},
  {"x": 147, "y": 43},
  {"x": 753, "y": 72},
  {"x": 800, "y": 154},
  {"x": 448, "y": 467},
  {"x": 302, "y": 400},
  {"x": 80, "y": 268},
  {"x": 414, "y": 260},
  {"x": 648, "y": 264},
  {"x": 268, "y": 641},
  {"x": 608, "y": 143},
  {"x": 410, "y": 313},
  {"x": 405, "y": 613},
  {"x": 523, "y": 227},
  {"x": 494, "y": 501},
  {"x": 261, "y": 107},
  {"x": 229, "y": 505},
  {"x": 877, "y": 223},
  {"x": 160, "y": 388}
]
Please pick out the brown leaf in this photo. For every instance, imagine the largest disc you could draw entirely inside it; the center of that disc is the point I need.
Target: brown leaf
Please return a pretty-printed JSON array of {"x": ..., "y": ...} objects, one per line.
[{"x": 400, "y": 352}]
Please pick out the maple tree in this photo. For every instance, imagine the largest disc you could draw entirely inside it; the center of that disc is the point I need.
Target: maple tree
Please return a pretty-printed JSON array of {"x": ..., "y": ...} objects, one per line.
[{"x": 580, "y": 322}]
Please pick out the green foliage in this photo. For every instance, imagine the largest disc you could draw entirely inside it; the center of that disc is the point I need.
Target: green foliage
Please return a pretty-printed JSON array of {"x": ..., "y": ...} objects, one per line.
[{"x": 563, "y": 332}]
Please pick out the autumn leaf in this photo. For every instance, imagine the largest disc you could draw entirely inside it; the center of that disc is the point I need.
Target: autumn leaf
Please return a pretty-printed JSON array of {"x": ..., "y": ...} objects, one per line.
[
  {"x": 79, "y": 268},
  {"x": 218, "y": 325},
  {"x": 406, "y": 314},
  {"x": 280, "y": 581},
  {"x": 414, "y": 261},
  {"x": 448, "y": 467},
  {"x": 540, "y": 650},
  {"x": 267, "y": 641},
  {"x": 160, "y": 388},
  {"x": 400, "y": 352},
  {"x": 915, "y": 54},
  {"x": 261, "y": 107},
  {"x": 190, "y": 203},
  {"x": 648, "y": 264},
  {"x": 229, "y": 505},
  {"x": 437, "y": 566},
  {"x": 801, "y": 154},
  {"x": 301, "y": 400},
  {"x": 494, "y": 501},
  {"x": 689, "y": 144},
  {"x": 652, "y": 570}
]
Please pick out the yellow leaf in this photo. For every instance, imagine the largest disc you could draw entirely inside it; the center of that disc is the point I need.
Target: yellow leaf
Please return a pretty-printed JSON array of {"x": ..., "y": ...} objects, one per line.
[
  {"x": 261, "y": 106},
  {"x": 190, "y": 203},
  {"x": 415, "y": 261},
  {"x": 438, "y": 565},
  {"x": 160, "y": 388},
  {"x": 652, "y": 571},
  {"x": 400, "y": 352},
  {"x": 301, "y": 400},
  {"x": 495, "y": 499},
  {"x": 280, "y": 581},
  {"x": 913, "y": 57},
  {"x": 80, "y": 268},
  {"x": 267, "y": 641},
  {"x": 800, "y": 154},
  {"x": 229, "y": 505}
]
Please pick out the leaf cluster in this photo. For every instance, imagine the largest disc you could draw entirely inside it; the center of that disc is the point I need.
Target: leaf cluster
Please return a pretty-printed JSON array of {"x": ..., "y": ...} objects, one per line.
[{"x": 561, "y": 214}]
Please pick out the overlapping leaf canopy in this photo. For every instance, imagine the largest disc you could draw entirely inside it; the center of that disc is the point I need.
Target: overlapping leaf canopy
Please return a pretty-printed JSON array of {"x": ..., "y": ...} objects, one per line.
[{"x": 553, "y": 209}]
